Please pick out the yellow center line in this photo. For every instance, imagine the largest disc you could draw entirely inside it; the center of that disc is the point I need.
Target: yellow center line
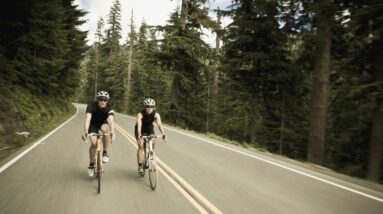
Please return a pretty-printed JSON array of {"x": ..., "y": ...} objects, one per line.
[{"x": 196, "y": 198}]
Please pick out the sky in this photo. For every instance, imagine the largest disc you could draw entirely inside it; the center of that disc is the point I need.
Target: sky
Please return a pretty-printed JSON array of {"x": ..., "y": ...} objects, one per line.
[{"x": 155, "y": 12}]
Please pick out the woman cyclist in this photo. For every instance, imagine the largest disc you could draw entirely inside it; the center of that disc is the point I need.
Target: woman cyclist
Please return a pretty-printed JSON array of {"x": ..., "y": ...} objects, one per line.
[{"x": 144, "y": 126}]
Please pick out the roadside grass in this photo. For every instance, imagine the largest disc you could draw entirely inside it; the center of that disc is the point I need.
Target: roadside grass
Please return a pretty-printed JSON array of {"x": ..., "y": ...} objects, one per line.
[{"x": 25, "y": 111}]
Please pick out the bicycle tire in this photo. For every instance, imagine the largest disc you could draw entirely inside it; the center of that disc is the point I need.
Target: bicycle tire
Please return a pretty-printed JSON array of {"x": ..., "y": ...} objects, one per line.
[
  {"x": 142, "y": 173},
  {"x": 153, "y": 172},
  {"x": 99, "y": 182},
  {"x": 146, "y": 157},
  {"x": 98, "y": 171}
]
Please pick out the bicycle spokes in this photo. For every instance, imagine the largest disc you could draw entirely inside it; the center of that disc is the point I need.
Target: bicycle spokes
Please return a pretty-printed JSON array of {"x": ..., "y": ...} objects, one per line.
[
  {"x": 150, "y": 163},
  {"x": 153, "y": 172}
]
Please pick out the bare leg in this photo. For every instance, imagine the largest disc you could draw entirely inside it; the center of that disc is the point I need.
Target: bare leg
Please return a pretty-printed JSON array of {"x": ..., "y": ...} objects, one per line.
[
  {"x": 92, "y": 148},
  {"x": 140, "y": 151},
  {"x": 153, "y": 144},
  {"x": 106, "y": 139}
]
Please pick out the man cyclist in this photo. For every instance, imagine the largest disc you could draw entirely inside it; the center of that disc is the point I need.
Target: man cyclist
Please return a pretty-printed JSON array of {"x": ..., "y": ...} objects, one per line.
[
  {"x": 99, "y": 116},
  {"x": 144, "y": 126}
]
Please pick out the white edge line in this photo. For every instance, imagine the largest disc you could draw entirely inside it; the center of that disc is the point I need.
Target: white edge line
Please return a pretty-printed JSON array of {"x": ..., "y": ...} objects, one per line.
[
  {"x": 284, "y": 167},
  {"x": 8, "y": 164},
  {"x": 276, "y": 164}
]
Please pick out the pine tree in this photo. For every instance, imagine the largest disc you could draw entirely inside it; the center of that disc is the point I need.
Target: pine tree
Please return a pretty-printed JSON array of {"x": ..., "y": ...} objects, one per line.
[
  {"x": 320, "y": 88},
  {"x": 149, "y": 80},
  {"x": 113, "y": 65},
  {"x": 91, "y": 68},
  {"x": 114, "y": 30},
  {"x": 184, "y": 53},
  {"x": 259, "y": 81},
  {"x": 368, "y": 24},
  {"x": 99, "y": 32},
  {"x": 45, "y": 53},
  {"x": 132, "y": 39},
  {"x": 74, "y": 40}
]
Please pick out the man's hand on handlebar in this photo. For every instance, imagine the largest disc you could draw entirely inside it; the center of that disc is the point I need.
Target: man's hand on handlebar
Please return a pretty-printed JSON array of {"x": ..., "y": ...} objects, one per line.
[
  {"x": 84, "y": 136},
  {"x": 113, "y": 137}
]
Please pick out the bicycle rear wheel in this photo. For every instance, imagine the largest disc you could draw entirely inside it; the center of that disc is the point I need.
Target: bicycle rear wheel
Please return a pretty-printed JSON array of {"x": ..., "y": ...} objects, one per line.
[{"x": 153, "y": 172}]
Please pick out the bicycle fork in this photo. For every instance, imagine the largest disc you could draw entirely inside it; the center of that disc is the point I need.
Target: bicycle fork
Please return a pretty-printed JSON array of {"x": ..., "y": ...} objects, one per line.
[{"x": 98, "y": 161}]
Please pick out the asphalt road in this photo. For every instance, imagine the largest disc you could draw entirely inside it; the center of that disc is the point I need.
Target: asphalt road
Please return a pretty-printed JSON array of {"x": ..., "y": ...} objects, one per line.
[{"x": 198, "y": 175}]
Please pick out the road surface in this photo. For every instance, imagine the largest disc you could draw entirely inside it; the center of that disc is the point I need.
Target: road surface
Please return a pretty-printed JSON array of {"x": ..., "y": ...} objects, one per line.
[{"x": 197, "y": 175}]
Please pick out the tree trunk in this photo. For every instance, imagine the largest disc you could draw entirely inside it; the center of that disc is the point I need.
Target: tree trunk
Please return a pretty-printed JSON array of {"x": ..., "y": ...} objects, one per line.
[
  {"x": 174, "y": 98},
  {"x": 282, "y": 131},
  {"x": 376, "y": 138},
  {"x": 217, "y": 55},
  {"x": 183, "y": 14},
  {"x": 320, "y": 85},
  {"x": 129, "y": 75},
  {"x": 95, "y": 83},
  {"x": 213, "y": 88},
  {"x": 95, "y": 71},
  {"x": 208, "y": 102}
]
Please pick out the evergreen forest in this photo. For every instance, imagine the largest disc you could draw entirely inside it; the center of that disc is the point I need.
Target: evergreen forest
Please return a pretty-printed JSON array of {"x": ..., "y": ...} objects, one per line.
[{"x": 298, "y": 78}]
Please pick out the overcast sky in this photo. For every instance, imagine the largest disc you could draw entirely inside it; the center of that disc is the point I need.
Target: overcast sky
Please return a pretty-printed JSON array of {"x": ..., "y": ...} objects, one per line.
[{"x": 155, "y": 12}]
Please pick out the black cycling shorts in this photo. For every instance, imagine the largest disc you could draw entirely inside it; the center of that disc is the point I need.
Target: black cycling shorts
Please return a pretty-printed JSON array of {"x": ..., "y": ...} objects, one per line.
[
  {"x": 143, "y": 132},
  {"x": 93, "y": 128}
]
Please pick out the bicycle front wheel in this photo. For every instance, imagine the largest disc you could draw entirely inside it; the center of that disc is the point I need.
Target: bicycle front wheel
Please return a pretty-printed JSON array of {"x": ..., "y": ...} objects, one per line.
[
  {"x": 99, "y": 182},
  {"x": 99, "y": 171},
  {"x": 146, "y": 162},
  {"x": 153, "y": 171}
]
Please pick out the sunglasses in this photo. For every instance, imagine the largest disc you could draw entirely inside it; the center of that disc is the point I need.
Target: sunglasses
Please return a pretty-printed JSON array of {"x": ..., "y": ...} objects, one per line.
[
  {"x": 149, "y": 106},
  {"x": 103, "y": 100}
]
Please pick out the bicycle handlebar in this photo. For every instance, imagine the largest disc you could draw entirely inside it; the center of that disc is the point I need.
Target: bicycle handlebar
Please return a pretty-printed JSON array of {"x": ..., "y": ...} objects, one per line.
[
  {"x": 99, "y": 134},
  {"x": 148, "y": 137},
  {"x": 95, "y": 134}
]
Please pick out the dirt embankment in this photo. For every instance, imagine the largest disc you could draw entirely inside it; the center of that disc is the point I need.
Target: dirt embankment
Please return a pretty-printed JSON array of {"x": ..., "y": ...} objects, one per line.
[{"x": 25, "y": 116}]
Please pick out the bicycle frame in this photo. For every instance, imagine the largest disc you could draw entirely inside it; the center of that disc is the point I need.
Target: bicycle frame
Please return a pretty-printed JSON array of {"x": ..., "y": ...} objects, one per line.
[
  {"x": 98, "y": 159},
  {"x": 148, "y": 145},
  {"x": 150, "y": 161}
]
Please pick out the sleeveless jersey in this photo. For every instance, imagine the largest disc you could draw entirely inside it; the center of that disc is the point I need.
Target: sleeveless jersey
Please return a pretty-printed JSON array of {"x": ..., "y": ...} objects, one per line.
[{"x": 147, "y": 121}]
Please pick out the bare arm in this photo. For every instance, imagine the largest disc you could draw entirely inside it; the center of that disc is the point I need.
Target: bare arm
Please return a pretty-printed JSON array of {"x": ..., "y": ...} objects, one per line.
[
  {"x": 139, "y": 124},
  {"x": 111, "y": 125},
  {"x": 88, "y": 116},
  {"x": 157, "y": 117}
]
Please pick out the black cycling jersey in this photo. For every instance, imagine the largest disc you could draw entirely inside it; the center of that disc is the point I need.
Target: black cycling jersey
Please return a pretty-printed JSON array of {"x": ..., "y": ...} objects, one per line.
[
  {"x": 99, "y": 116},
  {"x": 147, "y": 123}
]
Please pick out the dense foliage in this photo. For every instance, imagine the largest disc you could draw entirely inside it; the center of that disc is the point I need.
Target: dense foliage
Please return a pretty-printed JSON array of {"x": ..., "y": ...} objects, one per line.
[
  {"x": 40, "y": 52},
  {"x": 300, "y": 78},
  {"x": 41, "y": 46}
]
